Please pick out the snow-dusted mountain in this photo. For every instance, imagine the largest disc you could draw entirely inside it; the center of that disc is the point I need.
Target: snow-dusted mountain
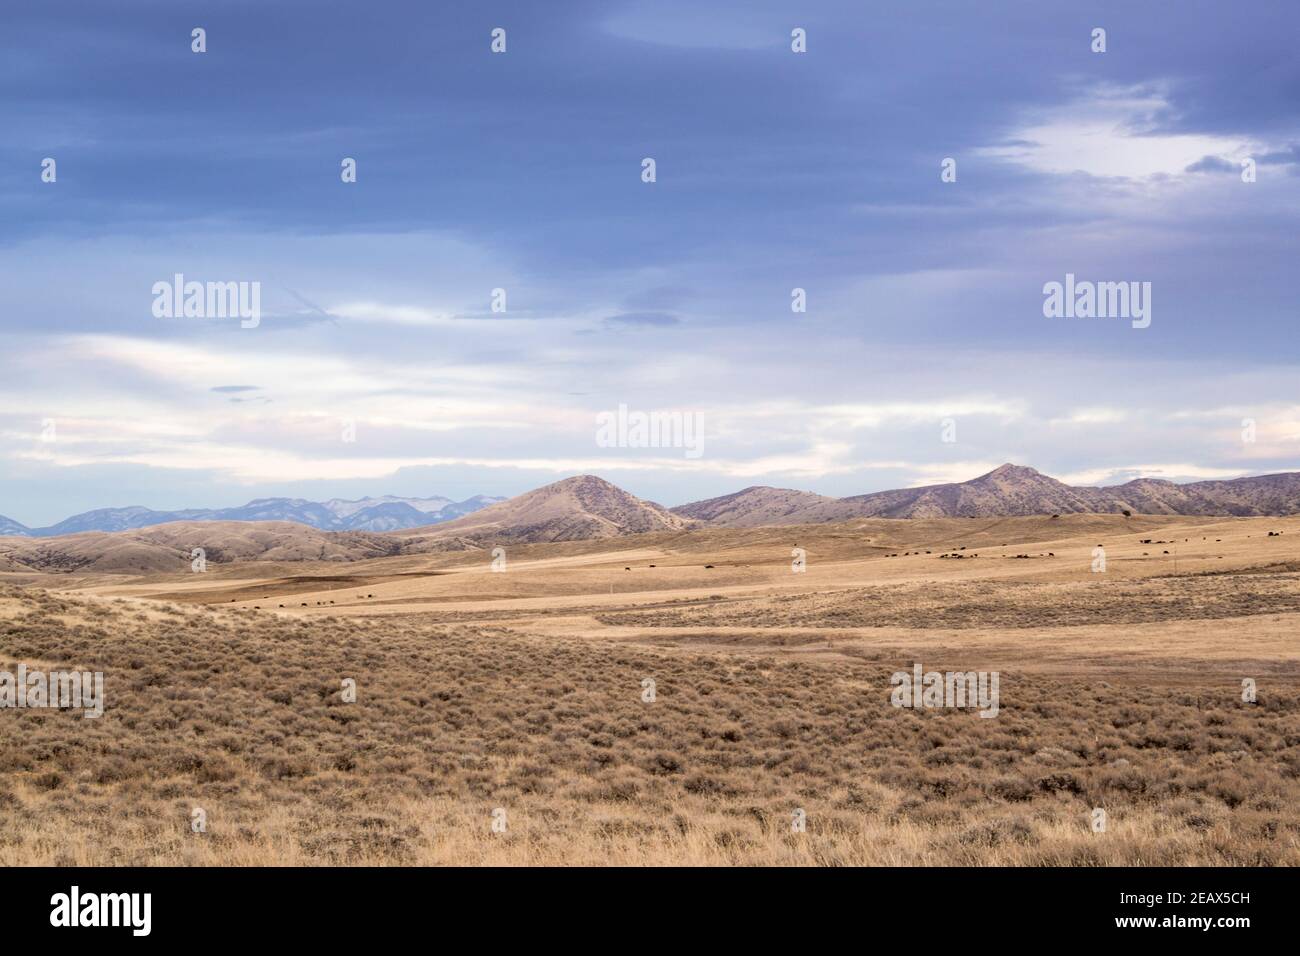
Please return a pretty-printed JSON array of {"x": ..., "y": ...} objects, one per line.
[
  {"x": 344, "y": 508},
  {"x": 386, "y": 513},
  {"x": 10, "y": 526}
]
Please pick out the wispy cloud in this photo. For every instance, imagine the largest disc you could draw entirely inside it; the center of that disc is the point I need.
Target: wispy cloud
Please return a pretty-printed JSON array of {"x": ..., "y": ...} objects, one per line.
[{"x": 1115, "y": 132}]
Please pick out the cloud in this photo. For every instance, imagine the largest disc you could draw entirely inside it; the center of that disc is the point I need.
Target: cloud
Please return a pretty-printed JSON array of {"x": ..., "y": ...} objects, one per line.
[
  {"x": 1183, "y": 471},
  {"x": 1213, "y": 164},
  {"x": 642, "y": 319},
  {"x": 1114, "y": 132},
  {"x": 692, "y": 26},
  {"x": 1092, "y": 416},
  {"x": 392, "y": 314}
]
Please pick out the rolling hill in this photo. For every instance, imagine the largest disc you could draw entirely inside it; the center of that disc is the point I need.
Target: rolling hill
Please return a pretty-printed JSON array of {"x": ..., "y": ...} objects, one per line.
[
  {"x": 574, "y": 509},
  {"x": 587, "y": 508},
  {"x": 169, "y": 547},
  {"x": 1009, "y": 490},
  {"x": 755, "y": 507}
]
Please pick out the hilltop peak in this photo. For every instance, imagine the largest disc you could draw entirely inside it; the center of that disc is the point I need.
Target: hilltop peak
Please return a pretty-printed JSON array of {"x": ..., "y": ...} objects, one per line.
[
  {"x": 575, "y": 508},
  {"x": 1008, "y": 470},
  {"x": 581, "y": 482},
  {"x": 754, "y": 506}
]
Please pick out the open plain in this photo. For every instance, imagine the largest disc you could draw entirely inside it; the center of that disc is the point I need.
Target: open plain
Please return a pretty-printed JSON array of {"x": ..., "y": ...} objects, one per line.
[{"x": 518, "y": 697}]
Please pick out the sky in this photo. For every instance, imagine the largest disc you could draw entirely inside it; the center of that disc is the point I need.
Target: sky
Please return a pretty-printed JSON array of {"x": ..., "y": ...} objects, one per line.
[{"x": 378, "y": 364}]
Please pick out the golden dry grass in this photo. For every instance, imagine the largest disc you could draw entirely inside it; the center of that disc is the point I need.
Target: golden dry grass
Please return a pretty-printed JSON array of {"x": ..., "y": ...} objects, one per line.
[{"x": 522, "y": 691}]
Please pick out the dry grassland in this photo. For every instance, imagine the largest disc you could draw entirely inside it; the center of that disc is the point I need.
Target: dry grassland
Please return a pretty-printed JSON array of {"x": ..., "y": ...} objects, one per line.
[{"x": 523, "y": 691}]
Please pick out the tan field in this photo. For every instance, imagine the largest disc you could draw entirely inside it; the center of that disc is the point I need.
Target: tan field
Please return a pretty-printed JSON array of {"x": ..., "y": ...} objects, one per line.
[{"x": 522, "y": 691}]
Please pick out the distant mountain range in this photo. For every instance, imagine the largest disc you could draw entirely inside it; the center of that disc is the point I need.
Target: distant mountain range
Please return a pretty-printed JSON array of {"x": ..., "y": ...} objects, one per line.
[
  {"x": 1010, "y": 490},
  {"x": 386, "y": 513},
  {"x": 581, "y": 508},
  {"x": 9, "y": 526},
  {"x": 574, "y": 509}
]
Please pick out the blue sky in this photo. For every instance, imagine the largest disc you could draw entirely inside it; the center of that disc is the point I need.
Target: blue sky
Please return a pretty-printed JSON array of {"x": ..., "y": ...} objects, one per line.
[{"x": 522, "y": 171}]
